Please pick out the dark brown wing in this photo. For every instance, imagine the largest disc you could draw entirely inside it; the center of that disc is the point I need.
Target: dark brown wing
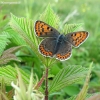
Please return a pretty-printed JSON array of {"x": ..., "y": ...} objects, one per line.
[
  {"x": 47, "y": 47},
  {"x": 64, "y": 51}
]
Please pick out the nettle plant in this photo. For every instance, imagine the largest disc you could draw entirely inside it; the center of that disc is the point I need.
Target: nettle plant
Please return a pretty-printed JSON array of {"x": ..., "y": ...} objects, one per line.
[{"x": 20, "y": 32}]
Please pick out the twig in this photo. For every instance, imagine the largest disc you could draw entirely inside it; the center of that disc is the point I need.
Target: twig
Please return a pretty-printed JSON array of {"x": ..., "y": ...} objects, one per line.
[{"x": 46, "y": 85}]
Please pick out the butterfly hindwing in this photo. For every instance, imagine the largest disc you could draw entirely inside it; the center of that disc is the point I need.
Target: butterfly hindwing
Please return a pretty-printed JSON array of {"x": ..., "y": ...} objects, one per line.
[
  {"x": 47, "y": 47},
  {"x": 76, "y": 38},
  {"x": 64, "y": 51},
  {"x": 44, "y": 30}
]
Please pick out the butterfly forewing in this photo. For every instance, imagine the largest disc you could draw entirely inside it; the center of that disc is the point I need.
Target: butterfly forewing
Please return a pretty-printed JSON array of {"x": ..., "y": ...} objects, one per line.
[
  {"x": 47, "y": 47},
  {"x": 44, "y": 30},
  {"x": 76, "y": 38},
  {"x": 64, "y": 51}
]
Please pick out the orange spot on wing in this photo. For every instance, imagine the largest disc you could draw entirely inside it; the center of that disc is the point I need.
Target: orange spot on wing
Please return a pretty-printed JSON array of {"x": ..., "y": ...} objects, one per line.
[
  {"x": 79, "y": 37},
  {"x": 62, "y": 57},
  {"x": 44, "y": 52},
  {"x": 46, "y": 29},
  {"x": 42, "y": 28},
  {"x": 37, "y": 28},
  {"x": 78, "y": 34}
]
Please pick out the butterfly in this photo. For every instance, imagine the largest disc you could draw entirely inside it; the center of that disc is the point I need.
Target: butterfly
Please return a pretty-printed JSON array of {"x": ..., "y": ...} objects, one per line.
[{"x": 55, "y": 44}]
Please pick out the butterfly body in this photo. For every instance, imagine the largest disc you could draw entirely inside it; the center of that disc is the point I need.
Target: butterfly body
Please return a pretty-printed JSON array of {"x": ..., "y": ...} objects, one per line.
[
  {"x": 59, "y": 40},
  {"x": 56, "y": 44}
]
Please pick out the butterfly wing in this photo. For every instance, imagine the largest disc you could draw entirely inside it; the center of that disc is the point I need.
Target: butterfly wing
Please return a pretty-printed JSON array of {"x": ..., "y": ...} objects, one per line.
[
  {"x": 76, "y": 38},
  {"x": 44, "y": 30},
  {"x": 64, "y": 51},
  {"x": 47, "y": 47}
]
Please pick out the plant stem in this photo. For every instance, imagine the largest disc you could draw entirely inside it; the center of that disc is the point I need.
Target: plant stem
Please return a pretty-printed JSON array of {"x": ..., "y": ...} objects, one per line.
[{"x": 46, "y": 84}]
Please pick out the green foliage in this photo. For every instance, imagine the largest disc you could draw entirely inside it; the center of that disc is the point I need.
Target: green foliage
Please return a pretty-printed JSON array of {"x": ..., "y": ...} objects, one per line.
[
  {"x": 25, "y": 28},
  {"x": 72, "y": 89},
  {"x": 21, "y": 32},
  {"x": 3, "y": 42},
  {"x": 14, "y": 37},
  {"x": 50, "y": 17},
  {"x": 9, "y": 74},
  {"x": 82, "y": 94},
  {"x": 68, "y": 28},
  {"x": 67, "y": 76}
]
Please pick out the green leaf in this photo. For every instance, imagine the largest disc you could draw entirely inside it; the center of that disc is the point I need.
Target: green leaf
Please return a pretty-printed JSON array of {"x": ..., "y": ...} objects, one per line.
[
  {"x": 67, "y": 76},
  {"x": 15, "y": 37},
  {"x": 50, "y": 17},
  {"x": 3, "y": 42},
  {"x": 82, "y": 94},
  {"x": 92, "y": 96},
  {"x": 68, "y": 28},
  {"x": 72, "y": 98},
  {"x": 72, "y": 90},
  {"x": 25, "y": 28},
  {"x": 9, "y": 74}
]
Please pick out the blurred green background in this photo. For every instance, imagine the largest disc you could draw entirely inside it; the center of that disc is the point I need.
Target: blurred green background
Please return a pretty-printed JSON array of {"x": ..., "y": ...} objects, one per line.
[{"x": 76, "y": 11}]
